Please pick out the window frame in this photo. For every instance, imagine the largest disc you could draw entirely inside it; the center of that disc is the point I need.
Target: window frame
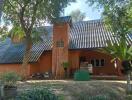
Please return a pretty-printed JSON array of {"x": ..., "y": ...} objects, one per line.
[
  {"x": 94, "y": 62},
  {"x": 60, "y": 44}
]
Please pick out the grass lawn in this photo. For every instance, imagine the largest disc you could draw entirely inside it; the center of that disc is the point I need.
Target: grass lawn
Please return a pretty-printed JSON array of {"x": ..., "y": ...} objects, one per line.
[{"x": 75, "y": 90}]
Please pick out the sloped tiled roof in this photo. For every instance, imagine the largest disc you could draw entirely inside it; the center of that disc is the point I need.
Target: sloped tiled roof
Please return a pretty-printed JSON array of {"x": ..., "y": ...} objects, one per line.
[
  {"x": 83, "y": 35},
  {"x": 92, "y": 34},
  {"x": 13, "y": 53}
]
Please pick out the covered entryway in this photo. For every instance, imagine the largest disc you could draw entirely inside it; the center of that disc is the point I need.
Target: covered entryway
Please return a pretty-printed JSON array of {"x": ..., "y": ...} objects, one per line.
[{"x": 101, "y": 63}]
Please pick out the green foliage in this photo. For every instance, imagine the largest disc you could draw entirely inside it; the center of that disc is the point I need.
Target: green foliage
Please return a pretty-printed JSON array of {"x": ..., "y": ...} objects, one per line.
[
  {"x": 77, "y": 15},
  {"x": 24, "y": 14},
  {"x": 65, "y": 65},
  {"x": 10, "y": 78},
  {"x": 117, "y": 14},
  {"x": 37, "y": 94},
  {"x": 3, "y": 32},
  {"x": 129, "y": 97},
  {"x": 119, "y": 51}
]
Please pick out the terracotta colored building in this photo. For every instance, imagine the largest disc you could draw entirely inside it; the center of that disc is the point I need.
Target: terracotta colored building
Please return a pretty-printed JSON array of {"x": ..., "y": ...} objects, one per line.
[{"x": 75, "y": 43}]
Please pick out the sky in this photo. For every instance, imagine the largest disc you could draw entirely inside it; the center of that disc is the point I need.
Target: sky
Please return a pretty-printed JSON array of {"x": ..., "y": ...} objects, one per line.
[{"x": 91, "y": 12}]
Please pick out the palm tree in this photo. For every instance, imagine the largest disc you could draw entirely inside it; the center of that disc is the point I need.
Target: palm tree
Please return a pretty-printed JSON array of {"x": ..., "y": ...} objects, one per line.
[{"x": 121, "y": 51}]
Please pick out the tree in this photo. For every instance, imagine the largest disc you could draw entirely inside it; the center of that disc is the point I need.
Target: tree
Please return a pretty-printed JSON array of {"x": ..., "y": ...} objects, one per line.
[
  {"x": 120, "y": 51},
  {"x": 77, "y": 15},
  {"x": 118, "y": 15},
  {"x": 24, "y": 15},
  {"x": 1, "y": 2}
]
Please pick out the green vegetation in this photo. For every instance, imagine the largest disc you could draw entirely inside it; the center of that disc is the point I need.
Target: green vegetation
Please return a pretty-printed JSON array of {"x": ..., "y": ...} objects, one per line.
[
  {"x": 73, "y": 90},
  {"x": 9, "y": 78},
  {"x": 37, "y": 94},
  {"x": 118, "y": 15},
  {"x": 65, "y": 66}
]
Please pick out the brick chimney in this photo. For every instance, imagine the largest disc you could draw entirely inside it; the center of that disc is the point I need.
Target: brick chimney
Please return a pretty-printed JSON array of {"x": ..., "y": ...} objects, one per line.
[{"x": 60, "y": 45}]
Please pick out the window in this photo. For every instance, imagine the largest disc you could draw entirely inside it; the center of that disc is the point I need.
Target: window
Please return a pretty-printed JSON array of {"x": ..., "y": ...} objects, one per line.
[
  {"x": 92, "y": 62},
  {"x": 102, "y": 62},
  {"x": 60, "y": 43},
  {"x": 82, "y": 59},
  {"x": 97, "y": 62}
]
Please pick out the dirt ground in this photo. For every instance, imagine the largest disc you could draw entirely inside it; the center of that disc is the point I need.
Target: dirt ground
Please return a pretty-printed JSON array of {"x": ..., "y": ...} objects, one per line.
[{"x": 74, "y": 90}]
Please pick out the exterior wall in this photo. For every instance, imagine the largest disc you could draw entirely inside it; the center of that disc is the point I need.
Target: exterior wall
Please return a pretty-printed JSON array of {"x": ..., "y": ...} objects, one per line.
[
  {"x": 44, "y": 64},
  {"x": 60, "y": 54},
  {"x": 74, "y": 61},
  {"x": 34, "y": 68},
  {"x": 13, "y": 68}
]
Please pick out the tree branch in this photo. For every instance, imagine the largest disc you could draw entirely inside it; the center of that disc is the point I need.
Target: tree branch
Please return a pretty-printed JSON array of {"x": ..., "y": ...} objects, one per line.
[
  {"x": 21, "y": 15},
  {"x": 34, "y": 14},
  {"x": 12, "y": 6}
]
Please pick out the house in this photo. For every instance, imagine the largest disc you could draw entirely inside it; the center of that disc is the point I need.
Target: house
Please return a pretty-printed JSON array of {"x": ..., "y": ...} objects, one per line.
[{"x": 76, "y": 43}]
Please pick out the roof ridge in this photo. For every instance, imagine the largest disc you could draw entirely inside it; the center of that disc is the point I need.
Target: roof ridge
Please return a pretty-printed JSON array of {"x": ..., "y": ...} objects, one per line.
[{"x": 101, "y": 20}]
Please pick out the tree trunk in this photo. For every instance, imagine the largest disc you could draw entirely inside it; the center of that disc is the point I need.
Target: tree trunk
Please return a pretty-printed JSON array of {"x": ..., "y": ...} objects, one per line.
[
  {"x": 129, "y": 87},
  {"x": 127, "y": 67},
  {"x": 28, "y": 45}
]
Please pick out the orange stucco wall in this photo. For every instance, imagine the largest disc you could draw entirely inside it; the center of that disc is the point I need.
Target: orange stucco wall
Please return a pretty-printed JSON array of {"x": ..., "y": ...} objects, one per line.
[
  {"x": 34, "y": 68},
  {"x": 44, "y": 63},
  {"x": 13, "y": 68}
]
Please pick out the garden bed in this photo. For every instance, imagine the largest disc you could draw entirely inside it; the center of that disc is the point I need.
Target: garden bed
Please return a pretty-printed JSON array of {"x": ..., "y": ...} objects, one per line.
[{"x": 76, "y": 90}]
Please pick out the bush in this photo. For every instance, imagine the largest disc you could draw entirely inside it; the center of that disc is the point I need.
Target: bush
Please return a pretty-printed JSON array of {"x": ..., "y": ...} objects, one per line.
[
  {"x": 37, "y": 94},
  {"x": 82, "y": 75},
  {"x": 9, "y": 78}
]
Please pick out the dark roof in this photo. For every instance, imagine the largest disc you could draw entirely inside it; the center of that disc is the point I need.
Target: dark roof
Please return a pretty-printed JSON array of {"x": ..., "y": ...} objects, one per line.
[
  {"x": 13, "y": 53},
  {"x": 83, "y": 35},
  {"x": 65, "y": 19},
  {"x": 92, "y": 34}
]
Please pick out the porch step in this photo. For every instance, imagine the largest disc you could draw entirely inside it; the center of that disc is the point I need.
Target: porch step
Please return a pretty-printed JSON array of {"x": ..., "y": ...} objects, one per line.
[{"x": 105, "y": 77}]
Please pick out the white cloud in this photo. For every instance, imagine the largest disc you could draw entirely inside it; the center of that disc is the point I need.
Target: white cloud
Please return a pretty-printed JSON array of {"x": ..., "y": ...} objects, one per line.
[{"x": 86, "y": 18}]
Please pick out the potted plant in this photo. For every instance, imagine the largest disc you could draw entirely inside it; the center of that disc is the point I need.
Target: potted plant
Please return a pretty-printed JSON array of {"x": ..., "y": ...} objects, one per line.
[
  {"x": 65, "y": 66},
  {"x": 9, "y": 80}
]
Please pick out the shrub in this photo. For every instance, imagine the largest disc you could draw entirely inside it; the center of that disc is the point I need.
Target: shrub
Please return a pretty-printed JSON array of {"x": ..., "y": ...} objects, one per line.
[
  {"x": 9, "y": 78},
  {"x": 37, "y": 94}
]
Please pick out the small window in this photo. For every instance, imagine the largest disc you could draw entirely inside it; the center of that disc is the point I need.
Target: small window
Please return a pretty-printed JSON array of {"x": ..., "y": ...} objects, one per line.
[
  {"x": 97, "y": 62},
  {"x": 60, "y": 43},
  {"x": 82, "y": 59},
  {"x": 102, "y": 62},
  {"x": 92, "y": 62}
]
